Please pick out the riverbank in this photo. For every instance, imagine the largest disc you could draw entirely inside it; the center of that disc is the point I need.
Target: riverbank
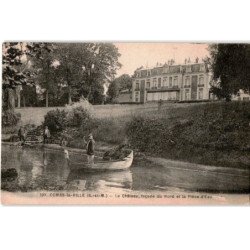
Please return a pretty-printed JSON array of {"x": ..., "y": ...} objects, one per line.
[
  {"x": 101, "y": 148},
  {"x": 216, "y": 134}
]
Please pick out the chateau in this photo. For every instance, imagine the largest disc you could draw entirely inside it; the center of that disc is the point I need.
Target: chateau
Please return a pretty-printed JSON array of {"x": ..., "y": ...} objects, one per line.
[{"x": 169, "y": 82}]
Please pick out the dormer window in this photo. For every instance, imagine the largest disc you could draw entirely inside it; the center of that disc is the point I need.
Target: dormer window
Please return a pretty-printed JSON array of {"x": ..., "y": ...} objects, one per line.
[{"x": 188, "y": 68}]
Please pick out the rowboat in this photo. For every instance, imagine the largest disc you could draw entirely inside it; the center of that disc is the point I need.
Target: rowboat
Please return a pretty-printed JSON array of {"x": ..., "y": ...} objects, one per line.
[{"x": 101, "y": 165}]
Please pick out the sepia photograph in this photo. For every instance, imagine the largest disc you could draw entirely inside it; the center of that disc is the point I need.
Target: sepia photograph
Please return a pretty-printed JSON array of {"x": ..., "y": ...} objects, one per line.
[{"x": 132, "y": 123}]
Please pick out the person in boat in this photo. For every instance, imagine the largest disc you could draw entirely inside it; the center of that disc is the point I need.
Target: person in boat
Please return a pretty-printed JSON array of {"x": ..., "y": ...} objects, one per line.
[
  {"x": 21, "y": 135},
  {"x": 46, "y": 135},
  {"x": 90, "y": 149}
]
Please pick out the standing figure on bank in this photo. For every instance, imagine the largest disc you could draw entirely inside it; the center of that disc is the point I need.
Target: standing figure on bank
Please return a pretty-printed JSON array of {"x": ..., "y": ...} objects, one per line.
[
  {"x": 46, "y": 135},
  {"x": 90, "y": 149},
  {"x": 21, "y": 135}
]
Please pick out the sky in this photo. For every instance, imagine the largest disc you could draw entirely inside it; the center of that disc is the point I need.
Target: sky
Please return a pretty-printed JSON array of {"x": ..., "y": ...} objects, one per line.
[{"x": 134, "y": 55}]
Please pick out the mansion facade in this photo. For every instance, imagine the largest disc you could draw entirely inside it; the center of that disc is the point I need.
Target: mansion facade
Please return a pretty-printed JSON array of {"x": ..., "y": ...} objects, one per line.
[{"x": 186, "y": 82}]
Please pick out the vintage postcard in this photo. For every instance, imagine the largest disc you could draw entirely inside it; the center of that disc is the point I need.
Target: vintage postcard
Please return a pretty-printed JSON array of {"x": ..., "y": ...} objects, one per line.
[{"x": 125, "y": 123}]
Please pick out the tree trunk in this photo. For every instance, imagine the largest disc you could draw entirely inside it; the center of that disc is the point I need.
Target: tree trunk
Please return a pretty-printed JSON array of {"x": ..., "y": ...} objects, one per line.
[
  {"x": 47, "y": 98},
  {"x": 24, "y": 103},
  {"x": 8, "y": 99},
  {"x": 89, "y": 93},
  {"x": 11, "y": 99},
  {"x": 69, "y": 100},
  {"x": 19, "y": 100},
  {"x": 18, "y": 94}
]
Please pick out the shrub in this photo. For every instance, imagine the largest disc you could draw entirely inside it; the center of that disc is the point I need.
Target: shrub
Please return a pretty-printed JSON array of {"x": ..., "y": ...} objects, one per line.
[
  {"x": 78, "y": 116},
  {"x": 83, "y": 103},
  {"x": 55, "y": 120},
  {"x": 9, "y": 118}
]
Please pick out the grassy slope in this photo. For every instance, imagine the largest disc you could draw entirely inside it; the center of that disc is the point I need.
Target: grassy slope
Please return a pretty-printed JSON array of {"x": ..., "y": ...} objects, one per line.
[{"x": 212, "y": 133}]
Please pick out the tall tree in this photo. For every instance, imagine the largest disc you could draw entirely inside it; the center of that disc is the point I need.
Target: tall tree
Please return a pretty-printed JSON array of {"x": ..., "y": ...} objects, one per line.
[
  {"x": 231, "y": 69},
  {"x": 46, "y": 76},
  {"x": 85, "y": 66},
  {"x": 113, "y": 91},
  {"x": 124, "y": 82},
  {"x": 15, "y": 67}
]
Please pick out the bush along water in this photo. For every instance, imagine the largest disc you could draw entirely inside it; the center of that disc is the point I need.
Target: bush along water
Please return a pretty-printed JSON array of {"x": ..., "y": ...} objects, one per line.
[
  {"x": 214, "y": 134},
  {"x": 77, "y": 121}
]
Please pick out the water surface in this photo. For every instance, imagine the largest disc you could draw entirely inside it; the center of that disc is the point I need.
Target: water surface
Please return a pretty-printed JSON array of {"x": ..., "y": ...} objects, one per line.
[{"x": 46, "y": 169}]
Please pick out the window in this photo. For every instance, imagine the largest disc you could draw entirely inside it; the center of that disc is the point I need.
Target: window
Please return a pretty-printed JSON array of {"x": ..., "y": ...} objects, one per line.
[
  {"x": 159, "y": 82},
  {"x": 202, "y": 67},
  {"x": 164, "y": 81},
  {"x": 169, "y": 95},
  {"x": 170, "y": 82},
  {"x": 176, "y": 81},
  {"x": 154, "y": 83},
  {"x": 187, "y": 95},
  {"x": 137, "y": 86},
  {"x": 142, "y": 86},
  {"x": 149, "y": 73},
  {"x": 201, "y": 80},
  {"x": 187, "y": 81},
  {"x": 200, "y": 93},
  {"x": 137, "y": 96},
  {"x": 148, "y": 85}
]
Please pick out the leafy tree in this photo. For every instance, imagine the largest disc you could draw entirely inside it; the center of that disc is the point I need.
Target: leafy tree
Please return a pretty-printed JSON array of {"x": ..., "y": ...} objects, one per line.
[
  {"x": 69, "y": 68},
  {"x": 29, "y": 96},
  {"x": 85, "y": 66},
  {"x": 124, "y": 82},
  {"x": 46, "y": 76},
  {"x": 231, "y": 69},
  {"x": 113, "y": 91},
  {"x": 16, "y": 69}
]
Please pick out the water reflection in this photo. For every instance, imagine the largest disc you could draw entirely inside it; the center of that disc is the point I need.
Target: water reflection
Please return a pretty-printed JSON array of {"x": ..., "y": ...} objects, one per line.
[
  {"x": 82, "y": 180},
  {"x": 43, "y": 169}
]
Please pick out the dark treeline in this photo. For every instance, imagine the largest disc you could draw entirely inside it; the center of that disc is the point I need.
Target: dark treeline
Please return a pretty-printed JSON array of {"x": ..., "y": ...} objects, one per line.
[{"x": 55, "y": 74}]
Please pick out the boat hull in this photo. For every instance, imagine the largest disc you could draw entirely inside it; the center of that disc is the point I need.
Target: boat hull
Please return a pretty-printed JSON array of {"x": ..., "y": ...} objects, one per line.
[{"x": 106, "y": 165}]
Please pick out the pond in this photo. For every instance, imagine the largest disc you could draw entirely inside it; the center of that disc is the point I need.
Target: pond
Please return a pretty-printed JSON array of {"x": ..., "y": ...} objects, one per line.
[{"x": 46, "y": 169}]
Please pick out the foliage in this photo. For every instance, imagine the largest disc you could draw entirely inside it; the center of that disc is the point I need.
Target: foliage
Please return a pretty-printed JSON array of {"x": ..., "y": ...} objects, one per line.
[
  {"x": 204, "y": 133},
  {"x": 122, "y": 82},
  {"x": 46, "y": 76},
  {"x": 10, "y": 118},
  {"x": 231, "y": 69},
  {"x": 78, "y": 117},
  {"x": 113, "y": 91},
  {"x": 16, "y": 70},
  {"x": 85, "y": 66},
  {"x": 29, "y": 96},
  {"x": 83, "y": 103},
  {"x": 15, "y": 56},
  {"x": 55, "y": 120}
]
